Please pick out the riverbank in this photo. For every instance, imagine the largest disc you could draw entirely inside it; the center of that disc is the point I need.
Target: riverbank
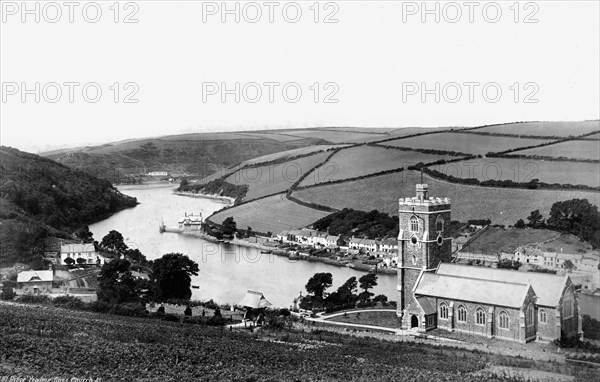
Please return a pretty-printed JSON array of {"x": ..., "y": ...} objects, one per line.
[{"x": 230, "y": 201}]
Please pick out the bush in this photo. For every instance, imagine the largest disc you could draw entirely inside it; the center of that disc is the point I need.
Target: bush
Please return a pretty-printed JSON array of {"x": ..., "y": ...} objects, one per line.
[
  {"x": 132, "y": 309},
  {"x": 69, "y": 302},
  {"x": 170, "y": 318},
  {"x": 31, "y": 299},
  {"x": 8, "y": 293}
]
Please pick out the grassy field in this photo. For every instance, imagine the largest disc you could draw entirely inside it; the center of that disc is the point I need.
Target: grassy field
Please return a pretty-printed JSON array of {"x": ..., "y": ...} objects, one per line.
[
  {"x": 334, "y": 136},
  {"x": 464, "y": 143},
  {"x": 502, "y": 206},
  {"x": 274, "y": 214},
  {"x": 543, "y": 129},
  {"x": 272, "y": 179},
  {"x": 385, "y": 319},
  {"x": 51, "y": 342},
  {"x": 569, "y": 149},
  {"x": 291, "y": 153},
  {"x": 364, "y": 160},
  {"x": 496, "y": 240},
  {"x": 524, "y": 170}
]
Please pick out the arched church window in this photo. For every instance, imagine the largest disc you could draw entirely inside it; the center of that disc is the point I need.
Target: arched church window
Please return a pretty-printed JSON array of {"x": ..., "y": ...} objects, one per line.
[
  {"x": 543, "y": 316},
  {"x": 439, "y": 224},
  {"x": 480, "y": 316},
  {"x": 530, "y": 315},
  {"x": 414, "y": 224},
  {"x": 462, "y": 313},
  {"x": 568, "y": 305},
  {"x": 503, "y": 320},
  {"x": 444, "y": 311}
]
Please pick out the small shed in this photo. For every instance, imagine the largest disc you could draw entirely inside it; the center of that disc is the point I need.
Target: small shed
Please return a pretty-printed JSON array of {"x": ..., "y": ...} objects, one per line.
[{"x": 255, "y": 304}]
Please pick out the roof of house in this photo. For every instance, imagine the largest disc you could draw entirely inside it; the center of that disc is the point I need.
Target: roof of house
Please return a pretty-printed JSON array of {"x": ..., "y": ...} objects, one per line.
[
  {"x": 390, "y": 241},
  {"x": 547, "y": 287},
  {"x": 470, "y": 289},
  {"x": 254, "y": 300},
  {"x": 32, "y": 276},
  {"x": 529, "y": 251},
  {"x": 77, "y": 248},
  {"x": 355, "y": 240},
  {"x": 570, "y": 256},
  {"x": 368, "y": 242},
  {"x": 332, "y": 238}
]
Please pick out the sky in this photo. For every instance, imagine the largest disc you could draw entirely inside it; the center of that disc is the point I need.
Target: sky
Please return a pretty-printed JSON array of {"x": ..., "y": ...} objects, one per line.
[{"x": 95, "y": 72}]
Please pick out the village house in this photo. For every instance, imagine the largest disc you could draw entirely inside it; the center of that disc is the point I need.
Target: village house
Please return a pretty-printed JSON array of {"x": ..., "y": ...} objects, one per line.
[
  {"x": 550, "y": 260},
  {"x": 389, "y": 246},
  {"x": 35, "y": 282},
  {"x": 81, "y": 251}
]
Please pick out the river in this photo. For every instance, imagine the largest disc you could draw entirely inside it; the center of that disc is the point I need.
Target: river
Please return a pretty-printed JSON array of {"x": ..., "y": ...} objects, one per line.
[{"x": 226, "y": 271}]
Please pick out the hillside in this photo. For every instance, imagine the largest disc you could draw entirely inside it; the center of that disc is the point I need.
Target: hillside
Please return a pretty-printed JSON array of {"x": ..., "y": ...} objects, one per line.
[
  {"x": 51, "y": 342},
  {"x": 39, "y": 197},
  {"x": 190, "y": 154}
]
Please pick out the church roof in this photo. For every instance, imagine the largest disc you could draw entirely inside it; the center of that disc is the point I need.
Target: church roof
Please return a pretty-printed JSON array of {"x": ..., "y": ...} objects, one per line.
[
  {"x": 470, "y": 289},
  {"x": 426, "y": 306},
  {"x": 254, "y": 300},
  {"x": 547, "y": 287}
]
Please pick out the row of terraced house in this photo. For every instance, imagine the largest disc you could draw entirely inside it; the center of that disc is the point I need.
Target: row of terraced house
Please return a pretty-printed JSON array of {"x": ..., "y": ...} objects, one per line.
[{"x": 320, "y": 240}]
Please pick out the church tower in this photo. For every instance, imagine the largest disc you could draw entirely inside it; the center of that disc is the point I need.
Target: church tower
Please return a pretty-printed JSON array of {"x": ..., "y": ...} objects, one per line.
[{"x": 422, "y": 241}]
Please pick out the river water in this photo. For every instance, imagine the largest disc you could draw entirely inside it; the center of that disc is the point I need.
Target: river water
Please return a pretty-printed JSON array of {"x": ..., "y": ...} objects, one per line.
[{"x": 226, "y": 271}]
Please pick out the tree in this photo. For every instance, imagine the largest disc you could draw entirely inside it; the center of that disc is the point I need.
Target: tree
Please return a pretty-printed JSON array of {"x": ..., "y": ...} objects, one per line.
[
  {"x": 171, "y": 275},
  {"x": 85, "y": 235},
  {"x": 520, "y": 224},
  {"x": 536, "y": 219},
  {"x": 578, "y": 217},
  {"x": 184, "y": 182},
  {"x": 114, "y": 241},
  {"x": 345, "y": 293},
  {"x": 367, "y": 282},
  {"x": 229, "y": 227},
  {"x": 116, "y": 284},
  {"x": 135, "y": 256},
  {"x": 8, "y": 293},
  {"x": 69, "y": 261},
  {"x": 318, "y": 283}
]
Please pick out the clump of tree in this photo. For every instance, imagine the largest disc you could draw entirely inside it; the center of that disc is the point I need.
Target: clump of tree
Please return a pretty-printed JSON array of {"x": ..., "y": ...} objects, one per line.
[
  {"x": 576, "y": 216},
  {"x": 170, "y": 280},
  {"x": 171, "y": 276},
  {"x": 345, "y": 297},
  {"x": 349, "y": 222},
  {"x": 217, "y": 187}
]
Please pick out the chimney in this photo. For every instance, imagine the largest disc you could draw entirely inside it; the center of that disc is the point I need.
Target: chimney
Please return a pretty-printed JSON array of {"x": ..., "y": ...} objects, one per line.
[{"x": 422, "y": 192}]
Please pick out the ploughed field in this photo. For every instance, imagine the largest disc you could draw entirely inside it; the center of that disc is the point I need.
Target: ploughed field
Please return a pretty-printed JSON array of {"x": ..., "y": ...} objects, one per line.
[
  {"x": 50, "y": 342},
  {"x": 501, "y": 205},
  {"x": 271, "y": 214},
  {"x": 464, "y": 143},
  {"x": 359, "y": 161},
  {"x": 521, "y": 170},
  {"x": 589, "y": 150}
]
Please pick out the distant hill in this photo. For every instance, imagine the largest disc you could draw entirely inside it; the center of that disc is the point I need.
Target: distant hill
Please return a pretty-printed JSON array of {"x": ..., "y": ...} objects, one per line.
[
  {"x": 40, "y": 198},
  {"x": 189, "y": 154}
]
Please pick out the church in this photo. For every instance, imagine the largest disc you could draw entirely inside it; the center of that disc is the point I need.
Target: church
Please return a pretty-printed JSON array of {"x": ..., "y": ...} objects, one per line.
[{"x": 434, "y": 293}]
